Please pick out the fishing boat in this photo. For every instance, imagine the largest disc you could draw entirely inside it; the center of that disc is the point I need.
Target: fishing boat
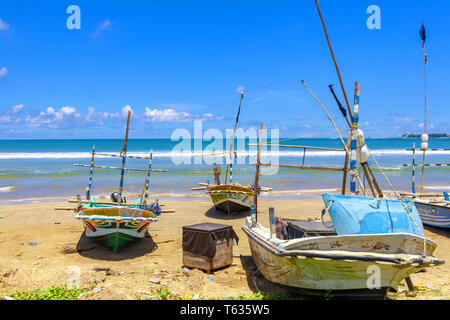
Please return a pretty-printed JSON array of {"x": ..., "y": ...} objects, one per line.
[
  {"x": 433, "y": 208},
  {"x": 116, "y": 223},
  {"x": 372, "y": 244},
  {"x": 343, "y": 264},
  {"x": 230, "y": 196}
]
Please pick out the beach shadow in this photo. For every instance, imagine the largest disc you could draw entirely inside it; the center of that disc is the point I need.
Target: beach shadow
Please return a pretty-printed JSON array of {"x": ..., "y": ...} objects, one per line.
[
  {"x": 258, "y": 283},
  {"x": 439, "y": 231},
  {"x": 89, "y": 248},
  {"x": 218, "y": 214}
]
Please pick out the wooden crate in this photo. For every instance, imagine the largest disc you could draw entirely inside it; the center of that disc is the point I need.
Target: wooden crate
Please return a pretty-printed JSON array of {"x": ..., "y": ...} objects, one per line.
[{"x": 223, "y": 257}]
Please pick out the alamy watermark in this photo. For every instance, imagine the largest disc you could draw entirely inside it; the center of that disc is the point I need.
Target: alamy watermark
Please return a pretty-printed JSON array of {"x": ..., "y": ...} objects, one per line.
[
  {"x": 190, "y": 148},
  {"x": 374, "y": 20}
]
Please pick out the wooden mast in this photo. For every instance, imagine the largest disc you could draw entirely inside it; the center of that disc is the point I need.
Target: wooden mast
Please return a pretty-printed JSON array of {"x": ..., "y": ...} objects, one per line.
[
  {"x": 258, "y": 164},
  {"x": 123, "y": 154},
  {"x": 232, "y": 138},
  {"x": 425, "y": 121}
]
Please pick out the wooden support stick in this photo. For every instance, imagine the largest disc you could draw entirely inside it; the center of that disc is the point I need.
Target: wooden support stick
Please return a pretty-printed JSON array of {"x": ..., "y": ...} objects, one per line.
[
  {"x": 410, "y": 284},
  {"x": 298, "y": 147},
  {"x": 299, "y": 167},
  {"x": 369, "y": 180},
  {"x": 118, "y": 168},
  {"x": 258, "y": 163},
  {"x": 374, "y": 181}
]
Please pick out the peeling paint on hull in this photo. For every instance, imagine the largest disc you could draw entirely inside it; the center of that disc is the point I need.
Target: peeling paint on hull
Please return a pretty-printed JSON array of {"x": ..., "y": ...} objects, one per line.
[{"x": 328, "y": 269}]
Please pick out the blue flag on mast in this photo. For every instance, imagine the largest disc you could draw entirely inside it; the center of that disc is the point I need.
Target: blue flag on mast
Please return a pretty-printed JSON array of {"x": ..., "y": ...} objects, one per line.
[{"x": 423, "y": 35}]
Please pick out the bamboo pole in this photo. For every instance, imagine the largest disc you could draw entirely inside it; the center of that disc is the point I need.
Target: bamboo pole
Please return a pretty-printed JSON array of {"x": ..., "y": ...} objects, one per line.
[
  {"x": 119, "y": 156},
  {"x": 347, "y": 156},
  {"x": 425, "y": 122},
  {"x": 334, "y": 59},
  {"x": 297, "y": 147},
  {"x": 232, "y": 138},
  {"x": 123, "y": 154},
  {"x": 258, "y": 162},
  {"x": 118, "y": 168},
  {"x": 144, "y": 195},
  {"x": 366, "y": 174},
  {"x": 421, "y": 195},
  {"x": 89, "y": 190},
  {"x": 413, "y": 184},
  {"x": 299, "y": 167},
  {"x": 109, "y": 203},
  {"x": 374, "y": 181}
]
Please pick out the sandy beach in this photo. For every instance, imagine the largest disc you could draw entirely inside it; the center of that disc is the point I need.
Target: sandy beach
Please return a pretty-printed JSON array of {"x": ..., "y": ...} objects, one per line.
[{"x": 39, "y": 247}]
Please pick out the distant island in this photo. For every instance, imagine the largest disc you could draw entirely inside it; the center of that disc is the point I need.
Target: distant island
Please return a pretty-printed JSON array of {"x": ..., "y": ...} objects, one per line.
[{"x": 431, "y": 135}]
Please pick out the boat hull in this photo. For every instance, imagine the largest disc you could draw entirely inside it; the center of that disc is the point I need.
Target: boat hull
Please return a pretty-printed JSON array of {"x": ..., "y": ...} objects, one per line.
[
  {"x": 113, "y": 230},
  {"x": 335, "y": 270},
  {"x": 231, "y": 198},
  {"x": 434, "y": 215}
]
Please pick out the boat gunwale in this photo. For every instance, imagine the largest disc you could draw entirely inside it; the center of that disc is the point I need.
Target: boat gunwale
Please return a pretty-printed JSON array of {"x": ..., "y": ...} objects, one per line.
[{"x": 415, "y": 259}]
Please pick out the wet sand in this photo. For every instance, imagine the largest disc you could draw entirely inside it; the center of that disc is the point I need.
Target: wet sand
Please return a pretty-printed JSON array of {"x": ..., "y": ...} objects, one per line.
[{"x": 40, "y": 247}]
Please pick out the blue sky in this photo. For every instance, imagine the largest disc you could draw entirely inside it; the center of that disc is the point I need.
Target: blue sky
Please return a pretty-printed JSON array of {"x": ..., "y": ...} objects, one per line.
[{"x": 172, "y": 62}]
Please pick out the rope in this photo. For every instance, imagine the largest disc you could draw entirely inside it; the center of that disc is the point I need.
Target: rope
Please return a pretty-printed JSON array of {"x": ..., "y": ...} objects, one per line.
[{"x": 326, "y": 210}]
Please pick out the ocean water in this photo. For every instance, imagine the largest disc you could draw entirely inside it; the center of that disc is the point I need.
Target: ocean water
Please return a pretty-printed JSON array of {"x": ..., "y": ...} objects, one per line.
[{"x": 44, "y": 169}]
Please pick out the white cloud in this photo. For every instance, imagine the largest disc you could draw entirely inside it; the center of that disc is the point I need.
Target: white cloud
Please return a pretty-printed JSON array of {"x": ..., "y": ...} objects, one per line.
[
  {"x": 404, "y": 120},
  {"x": 3, "y": 72},
  {"x": 165, "y": 115},
  {"x": 17, "y": 108},
  {"x": 3, "y": 25},
  {"x": 240, "y": 89},
  {"x": 53, "y": 118},
  {"x": 125, "y": 111},
  {"x": 102, "y": 27}
]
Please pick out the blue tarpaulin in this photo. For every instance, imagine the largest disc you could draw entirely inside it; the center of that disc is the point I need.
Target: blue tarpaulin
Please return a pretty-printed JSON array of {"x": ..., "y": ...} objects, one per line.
[{"x": 360, "y": 215}]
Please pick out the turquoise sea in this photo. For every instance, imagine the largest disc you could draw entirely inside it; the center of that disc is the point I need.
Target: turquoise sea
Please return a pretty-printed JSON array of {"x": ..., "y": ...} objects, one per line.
[{"x": 43, "y": 169}]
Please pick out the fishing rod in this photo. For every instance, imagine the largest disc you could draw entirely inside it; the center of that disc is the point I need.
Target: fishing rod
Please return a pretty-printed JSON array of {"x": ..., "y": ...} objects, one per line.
[{"x": 230, "y": 164}]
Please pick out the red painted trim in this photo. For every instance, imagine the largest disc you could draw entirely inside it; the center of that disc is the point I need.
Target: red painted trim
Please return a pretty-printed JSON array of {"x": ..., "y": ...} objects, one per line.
[
  {"x": 143, "y": 227},
  {"x": 89, "y": 225}
]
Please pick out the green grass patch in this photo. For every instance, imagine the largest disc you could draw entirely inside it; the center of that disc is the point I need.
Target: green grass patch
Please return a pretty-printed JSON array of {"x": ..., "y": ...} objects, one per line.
[{"x": 52, "y": 293}]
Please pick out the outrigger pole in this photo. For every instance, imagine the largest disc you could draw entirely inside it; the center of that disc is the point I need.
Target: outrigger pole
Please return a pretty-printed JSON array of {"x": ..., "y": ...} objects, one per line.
[
  {"x": 230, "y": 164},
  {"x": 89, "y": 189}
]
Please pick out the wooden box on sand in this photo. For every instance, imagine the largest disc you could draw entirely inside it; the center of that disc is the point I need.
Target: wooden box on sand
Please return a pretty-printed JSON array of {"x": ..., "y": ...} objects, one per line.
[{"x": 208, "y": 246}]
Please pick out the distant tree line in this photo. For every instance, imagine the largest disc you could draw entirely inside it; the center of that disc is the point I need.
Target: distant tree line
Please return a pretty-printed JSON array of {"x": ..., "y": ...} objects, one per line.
[{"x": 431, "y": 135}]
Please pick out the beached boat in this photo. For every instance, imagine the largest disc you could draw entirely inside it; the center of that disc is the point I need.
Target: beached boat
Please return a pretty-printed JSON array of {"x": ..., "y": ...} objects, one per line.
[
  {"x": 231, "y": 197},
  {"x": 435, "y": 213},
  {"x": 343, "y": 264},
  {"x": 116, "y": 223},
  {"x": 115, "y": 226}
]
